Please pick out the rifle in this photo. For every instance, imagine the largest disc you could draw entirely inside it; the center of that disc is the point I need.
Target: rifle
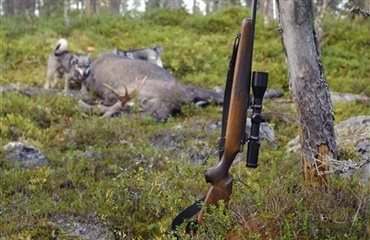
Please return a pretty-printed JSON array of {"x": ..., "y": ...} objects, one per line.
[{"x": 237, "y": 101}]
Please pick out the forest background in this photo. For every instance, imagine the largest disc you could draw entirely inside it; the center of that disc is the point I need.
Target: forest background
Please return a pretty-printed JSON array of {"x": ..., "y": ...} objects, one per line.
[{"x": 129, "y": 176}]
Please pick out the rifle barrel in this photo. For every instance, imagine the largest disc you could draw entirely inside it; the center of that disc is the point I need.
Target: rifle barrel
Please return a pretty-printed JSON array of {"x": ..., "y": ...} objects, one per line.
[{"x": 254, "y": 10}]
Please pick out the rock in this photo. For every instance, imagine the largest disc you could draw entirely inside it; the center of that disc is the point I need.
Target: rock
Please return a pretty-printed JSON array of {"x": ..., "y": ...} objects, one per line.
[
  {"x": 352, "y": 136},
  {"x": 348, "y": 97},
  {"x": 365, "y": 174},
  {"x": 25, "y": 156},
  {"x": 266, "y": 132},
  {"x": 38, "y": 91},
  {"x": 269, "y": 94},
  {"x": 363, "y": 149},
  {"x": 273, "y": 93},
  {"x": 82, "y": 229},
  {"x": 352, "y": 133}
]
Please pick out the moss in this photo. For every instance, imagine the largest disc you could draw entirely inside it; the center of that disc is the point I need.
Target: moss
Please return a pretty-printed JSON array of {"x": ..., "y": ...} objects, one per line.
[{"x": 133, "y": 174}]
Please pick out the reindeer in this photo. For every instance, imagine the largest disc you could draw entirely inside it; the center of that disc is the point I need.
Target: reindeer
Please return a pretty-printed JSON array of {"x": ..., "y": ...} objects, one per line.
[{"x": 158, "y": 94}]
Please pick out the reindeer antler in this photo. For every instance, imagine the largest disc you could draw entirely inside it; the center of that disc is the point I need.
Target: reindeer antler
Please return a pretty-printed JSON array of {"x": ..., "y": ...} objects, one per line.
[
  {"x": 118, "y": 106},
  {"x": 127, "y": 96}
]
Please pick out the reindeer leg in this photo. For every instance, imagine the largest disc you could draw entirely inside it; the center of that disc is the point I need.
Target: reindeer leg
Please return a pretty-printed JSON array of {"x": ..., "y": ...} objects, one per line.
[
  {"x": 115, "y": 108},
  {"x": 102, "y": 108}
]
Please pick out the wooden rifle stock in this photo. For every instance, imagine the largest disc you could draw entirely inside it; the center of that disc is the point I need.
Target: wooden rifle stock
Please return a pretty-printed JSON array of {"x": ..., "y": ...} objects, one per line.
[
  {"x": 218, "y": 176},
  {"x": 237, "y": 100}
]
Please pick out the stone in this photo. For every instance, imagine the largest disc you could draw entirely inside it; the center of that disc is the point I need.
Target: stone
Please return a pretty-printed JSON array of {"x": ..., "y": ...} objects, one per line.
[{"x": 25, "y": 156}]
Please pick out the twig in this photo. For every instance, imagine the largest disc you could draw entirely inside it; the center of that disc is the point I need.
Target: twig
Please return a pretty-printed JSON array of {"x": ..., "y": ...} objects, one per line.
[{"x": 356, "y": 10}]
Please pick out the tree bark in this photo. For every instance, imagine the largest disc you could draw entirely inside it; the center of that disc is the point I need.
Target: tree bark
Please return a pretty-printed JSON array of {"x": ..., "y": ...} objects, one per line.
[
  {"x": 65, "y": 13},
  {"x": 91, "y": 7},
  {"x": 320, "y": 20},
  {"x": 173, "y": 4},
  {"x": 266, "y": 19},
  {"x": 114, "y": 6},
  {"x": 195, "y": 8},
  {"x": 152, "y": 4},
  {"x": 248, "y": 3},
  {"x": 309, "y": 89},
  {"x": 8, "y": 6}
]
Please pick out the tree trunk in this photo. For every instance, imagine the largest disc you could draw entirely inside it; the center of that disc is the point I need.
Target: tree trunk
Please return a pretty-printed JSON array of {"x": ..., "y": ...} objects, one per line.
[
  {"x": 91, "y": 7},
  {"x": 266, "y": 13},
  {"x": 235, "y": 2},
  {"x": 173, "y": 4},
  {"x": 114, "y": 6},
  {"x": 195, "y": 8},
  {"x": 309, "y": 89},
  {"x": 65, "y": 13},
  {"x": 320, "y": 20},
  {"x": 248, "y": 3},
  {"x": 8, "y": 6},
  {"x": 152, "y": 4},
  {"x": 208, "y": 6}
]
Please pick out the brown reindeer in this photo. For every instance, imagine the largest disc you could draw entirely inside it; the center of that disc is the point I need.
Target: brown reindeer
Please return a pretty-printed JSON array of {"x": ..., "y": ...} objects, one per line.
[{"x": 159, "y": 94}]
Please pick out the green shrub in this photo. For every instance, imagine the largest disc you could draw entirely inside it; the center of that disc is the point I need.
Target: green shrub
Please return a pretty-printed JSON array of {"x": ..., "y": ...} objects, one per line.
[{"x": 133, "y": 174}]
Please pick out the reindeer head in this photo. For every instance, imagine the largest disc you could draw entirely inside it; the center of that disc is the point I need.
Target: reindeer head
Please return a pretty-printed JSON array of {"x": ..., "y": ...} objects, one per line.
[{"x": 123, "y": 99}]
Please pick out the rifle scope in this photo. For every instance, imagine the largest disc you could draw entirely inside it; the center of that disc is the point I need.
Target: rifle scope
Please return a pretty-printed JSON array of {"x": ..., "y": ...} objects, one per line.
[{"x": 259, "y": 86}]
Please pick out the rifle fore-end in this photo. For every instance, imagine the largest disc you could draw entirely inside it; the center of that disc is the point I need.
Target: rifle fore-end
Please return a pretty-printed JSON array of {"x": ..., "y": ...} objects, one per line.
[{"x": 218, "y": 176}]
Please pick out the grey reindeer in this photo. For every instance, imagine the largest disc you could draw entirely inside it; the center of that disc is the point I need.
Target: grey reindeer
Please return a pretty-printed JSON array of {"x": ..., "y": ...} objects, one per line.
[
  {"x": 147, "y": 54},
  {"x": 117, "y": 81},
  {"x": 74, "y": 66}
]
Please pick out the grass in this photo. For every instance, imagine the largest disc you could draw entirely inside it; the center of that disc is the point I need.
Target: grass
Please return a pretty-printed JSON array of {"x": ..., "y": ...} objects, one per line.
[{"x": 132, "y": 175}]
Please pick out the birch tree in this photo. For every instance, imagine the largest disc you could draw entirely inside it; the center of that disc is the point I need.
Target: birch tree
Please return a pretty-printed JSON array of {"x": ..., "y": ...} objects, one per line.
[
  {"x": 266, "y": 12},
  {"x": 309, "y": 89}
]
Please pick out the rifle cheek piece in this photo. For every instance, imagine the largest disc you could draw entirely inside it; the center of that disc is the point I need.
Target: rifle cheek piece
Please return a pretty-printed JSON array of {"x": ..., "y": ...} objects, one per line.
[{"x": 259, "y": 86}]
